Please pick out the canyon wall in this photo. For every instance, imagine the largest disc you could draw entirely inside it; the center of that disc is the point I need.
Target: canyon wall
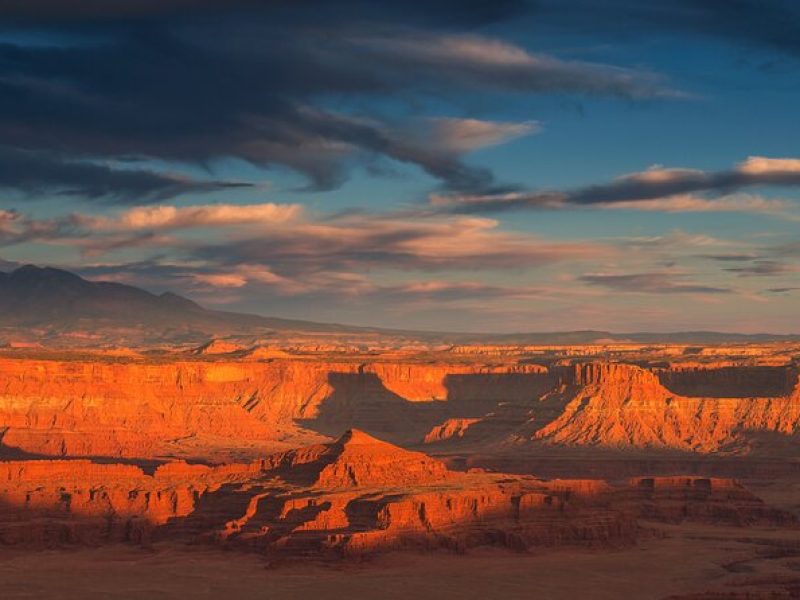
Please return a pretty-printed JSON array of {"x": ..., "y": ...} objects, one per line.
[
  {"x": 623, "y": 406},
  {"x": 221, "y": 408},
  {"x": 143, "y": 409}
]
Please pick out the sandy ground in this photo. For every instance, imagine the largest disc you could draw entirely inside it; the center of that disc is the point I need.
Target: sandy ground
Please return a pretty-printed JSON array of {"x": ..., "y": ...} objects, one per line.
[{"x": 689, "y": 559}]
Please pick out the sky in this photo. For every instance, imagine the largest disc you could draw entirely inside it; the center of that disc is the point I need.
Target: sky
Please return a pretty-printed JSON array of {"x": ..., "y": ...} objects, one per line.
[{"x": 501, "y": 166}]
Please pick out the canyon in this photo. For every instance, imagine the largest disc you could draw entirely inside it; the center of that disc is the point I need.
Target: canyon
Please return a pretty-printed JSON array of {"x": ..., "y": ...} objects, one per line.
[
  {"x": 245, "y": 402},
  {"x": 309, "y": 454}
]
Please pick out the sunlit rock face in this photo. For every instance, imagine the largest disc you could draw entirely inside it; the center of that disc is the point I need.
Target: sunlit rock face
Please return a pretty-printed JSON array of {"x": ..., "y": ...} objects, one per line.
[
  {"x": 241, "y": 404},
  {"x": 356, "y": 495}
]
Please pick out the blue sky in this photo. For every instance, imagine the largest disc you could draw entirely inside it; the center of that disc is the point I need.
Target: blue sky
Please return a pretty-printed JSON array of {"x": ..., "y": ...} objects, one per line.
[{"x": 506, "y": 166}]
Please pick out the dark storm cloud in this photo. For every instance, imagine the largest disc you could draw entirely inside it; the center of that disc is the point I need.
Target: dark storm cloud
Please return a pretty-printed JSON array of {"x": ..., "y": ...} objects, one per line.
[
  {"x": 253, "y": 80},
  {"x": 650, "y": 283}
]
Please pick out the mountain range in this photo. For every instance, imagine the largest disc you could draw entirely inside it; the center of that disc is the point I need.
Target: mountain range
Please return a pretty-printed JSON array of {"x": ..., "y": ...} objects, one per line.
[
  {"x": 46, "y": 304},
  {"x": 49, "y": 302}
]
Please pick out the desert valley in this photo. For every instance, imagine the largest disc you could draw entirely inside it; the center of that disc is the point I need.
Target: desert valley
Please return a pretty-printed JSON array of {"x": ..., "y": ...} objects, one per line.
[{"x": 351, "y": 457}]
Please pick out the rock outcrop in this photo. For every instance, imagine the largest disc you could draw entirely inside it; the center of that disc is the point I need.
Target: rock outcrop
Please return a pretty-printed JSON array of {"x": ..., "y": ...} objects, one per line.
[
  {"x": 354, "y": 496},
  {"x": 449, "y": 430},
  {"x": 626, "y": 406},
  {"x": 238, "y": 406},
  {"x": 357, "y": 459},
  {"x": 115, "y": 406},
  {"x": 213, "y": 347}
]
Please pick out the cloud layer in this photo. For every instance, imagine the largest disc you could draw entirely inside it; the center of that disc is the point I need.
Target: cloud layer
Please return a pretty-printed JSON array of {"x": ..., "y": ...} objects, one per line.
[{"x": 196, "y": 82}]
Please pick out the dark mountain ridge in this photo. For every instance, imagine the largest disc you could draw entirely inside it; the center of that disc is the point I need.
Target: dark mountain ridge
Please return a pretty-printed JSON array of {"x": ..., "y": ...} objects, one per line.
[
  {"x": 57, "y": 301},
  {"x": 43, "y": 303}
]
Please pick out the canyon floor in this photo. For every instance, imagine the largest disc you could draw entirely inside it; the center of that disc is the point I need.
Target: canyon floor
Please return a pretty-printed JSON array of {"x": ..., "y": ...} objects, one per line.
[
  {"x": 258, "y": 470},
  {"x": 687, "y": 563}
]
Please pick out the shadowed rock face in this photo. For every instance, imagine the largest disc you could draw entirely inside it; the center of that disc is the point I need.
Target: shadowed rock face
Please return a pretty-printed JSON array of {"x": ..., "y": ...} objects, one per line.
[
  {"x": 353, "y": 496},
  {"x": 728, "y": 381}
]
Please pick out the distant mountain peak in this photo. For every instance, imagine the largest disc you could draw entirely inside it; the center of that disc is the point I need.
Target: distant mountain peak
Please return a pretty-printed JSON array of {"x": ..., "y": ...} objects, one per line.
[
  {"x": 30, "y": 271},
  {"x": 43, "y": 304}
]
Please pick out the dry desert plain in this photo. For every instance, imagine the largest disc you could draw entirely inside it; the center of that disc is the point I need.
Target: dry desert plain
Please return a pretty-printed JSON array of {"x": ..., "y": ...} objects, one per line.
[{"x": 289, "y": 470}]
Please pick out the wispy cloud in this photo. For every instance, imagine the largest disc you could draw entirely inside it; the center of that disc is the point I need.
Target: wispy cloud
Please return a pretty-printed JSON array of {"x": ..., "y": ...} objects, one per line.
[
  {"x": 167, "y": 217},
  {"x": 479, "y": 61},
  {"x": 39, "y": 172},
  {"x": 656, "y": 189},
  {"x": 763, "y": 268},
  {"x": 689, "y": 203},
  {"x": 651, "y": 283}
]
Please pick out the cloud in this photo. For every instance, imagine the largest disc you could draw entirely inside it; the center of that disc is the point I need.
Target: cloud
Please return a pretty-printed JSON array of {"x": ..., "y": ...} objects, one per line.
[
  {"x": 167, "y": 217},
  {"x": 17, "y": 228},
  {"x": 459, "y": 136},
  {"x": 221, "y": 280},
  {"x": 477, "y": 61},
  {"x": 762, "y": 268},
  {"x": 240, "y": 276},
  {"x": 36, "y": 173},
  {"x": 291, "y": 252},
  {"x": 670, "y": 190},
  {"x": 664, "y": 183},
  {"x": 688, "y": 203},
  {"x": 767, "y": 24},
  {"x": 166, "y": 82},
  {"x": 83, "y": 9},
  {"x": 650, "y": 283},
  {"x": 459, "y": 292},
  {"x": 375, "y": 242},
  {"x": 729, "y": 257},
  {"x": 759, "y": 165},
  {"x": 675, "y": 243},
  {"x": 451, "y": 11}
]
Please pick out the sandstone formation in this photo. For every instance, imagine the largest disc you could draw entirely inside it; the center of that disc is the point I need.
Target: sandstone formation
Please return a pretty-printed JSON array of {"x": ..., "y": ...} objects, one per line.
[
  {"x": 146, "y": 408},
  {"x": 357, "y": 459},
  {"x": 230, "y": 405},
  {"x": 450, "y": 429},
  {"x": 626, "y": 406},
  {"x": 243, "y": 449},
  {"x": 217, "y": 347},
  {"x": 266, "y": 353},
  {"x": 354, "y": 496}
]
